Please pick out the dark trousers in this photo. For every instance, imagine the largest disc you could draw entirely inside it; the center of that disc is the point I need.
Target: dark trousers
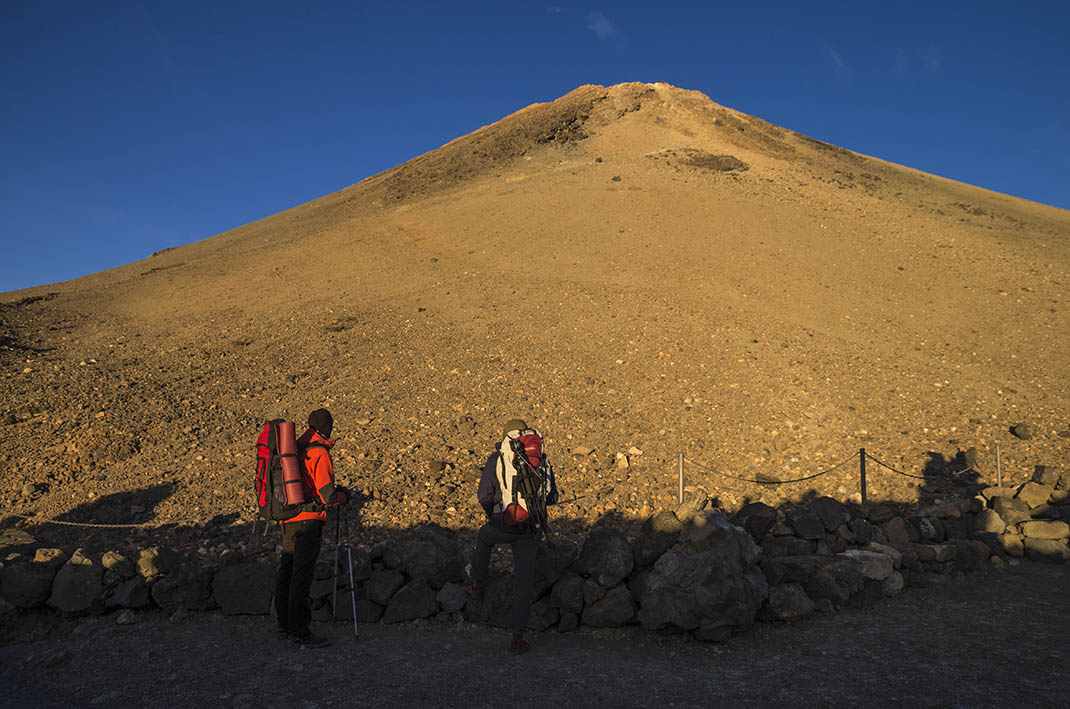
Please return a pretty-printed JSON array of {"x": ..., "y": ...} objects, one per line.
[
  {"x": 525, "y": 547},
  {"x": 300, "y": 547}
]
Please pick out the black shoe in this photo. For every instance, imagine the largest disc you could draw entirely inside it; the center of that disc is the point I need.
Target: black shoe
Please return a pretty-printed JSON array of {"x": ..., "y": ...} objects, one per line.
[
  {"x": 283, "y": 632},
  {"x": 311, "y": 640}
]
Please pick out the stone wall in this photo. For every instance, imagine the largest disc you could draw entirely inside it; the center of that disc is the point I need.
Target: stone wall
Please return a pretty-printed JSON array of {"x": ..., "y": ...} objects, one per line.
[{"x": 692, "y": 570}]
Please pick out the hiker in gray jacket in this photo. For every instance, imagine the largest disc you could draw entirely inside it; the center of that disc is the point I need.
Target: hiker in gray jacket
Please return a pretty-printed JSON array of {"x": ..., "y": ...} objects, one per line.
[{"x": 513, "y": 518}]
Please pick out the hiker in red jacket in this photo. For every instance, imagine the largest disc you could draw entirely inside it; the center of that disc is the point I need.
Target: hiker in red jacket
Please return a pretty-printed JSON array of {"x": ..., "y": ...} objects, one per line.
[
  {"x": 510, "y": 522},
  {"x": 302, "y": 535}
]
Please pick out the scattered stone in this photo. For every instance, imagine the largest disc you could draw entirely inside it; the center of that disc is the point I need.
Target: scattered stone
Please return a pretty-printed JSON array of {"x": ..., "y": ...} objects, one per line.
[
  {"x": 244, "y": 589},
  {"x": 592, "y": 591},
  {"x": 786, "y": 602},
  {"x": 1046, "y": 475},
  {"x": 691, "y": 507},
  {"x": 633, "y": 451},
  {"x": 1023, "y": 431},
  {"x": 879, "y": 514},
  {"x": 1034, "y": 494},
  {"x": 997, "y": 562},
  {"x": 1045, "y": 529},
  {"x": 414, "y": 600},
  {"x": 582, "y": 451}
]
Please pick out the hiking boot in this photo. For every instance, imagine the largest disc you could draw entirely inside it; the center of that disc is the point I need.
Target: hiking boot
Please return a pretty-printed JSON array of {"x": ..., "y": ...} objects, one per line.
[
  {"x": 311, "y": 640},
  {"x": 475, "y": 590},
  {"x": 519, "y": 647},
  {"x": 283, "y": 632}
]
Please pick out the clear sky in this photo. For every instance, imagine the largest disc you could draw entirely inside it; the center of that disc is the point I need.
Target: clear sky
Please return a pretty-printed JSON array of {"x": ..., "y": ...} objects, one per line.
[{"x": 128, "y": 127}]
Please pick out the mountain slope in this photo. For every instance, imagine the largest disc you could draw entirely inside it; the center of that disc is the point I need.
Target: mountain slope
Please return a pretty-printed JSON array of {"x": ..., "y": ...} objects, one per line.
[{"x": 632, "y": 266}]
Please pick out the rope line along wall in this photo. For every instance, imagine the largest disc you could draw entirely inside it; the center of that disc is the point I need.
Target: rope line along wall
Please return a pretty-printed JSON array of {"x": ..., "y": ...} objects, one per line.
[
  {"x": 774, "y": 481},
  {"x": 91, "y": 525}
]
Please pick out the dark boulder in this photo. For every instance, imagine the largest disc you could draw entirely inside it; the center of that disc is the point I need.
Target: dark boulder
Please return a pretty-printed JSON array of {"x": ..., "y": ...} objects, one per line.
[
  {"x": 567, "y": 593},
  {"x": 606, "y": 557},
  {"x": 28, "y": 584},
  {"x": 414, "y": 600},
  {"x": 786, "y": 602},
  {"x": 432, "y": 554},
  {"x": 806, "y": 524},
  {"x": 832, "y": 512},
  {"x": 707, "y": 584},
  {"x": 244, "y": 589},
  {"x": 756, "y": 518},
  {"x": 614, "y": 609},
  {"x": 78, "y": 586},
  {"x": 659, "y": 532}
]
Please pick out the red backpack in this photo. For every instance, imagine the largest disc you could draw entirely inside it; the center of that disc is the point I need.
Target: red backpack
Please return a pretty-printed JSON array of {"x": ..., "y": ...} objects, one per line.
[{"x": 283, "y": 488}]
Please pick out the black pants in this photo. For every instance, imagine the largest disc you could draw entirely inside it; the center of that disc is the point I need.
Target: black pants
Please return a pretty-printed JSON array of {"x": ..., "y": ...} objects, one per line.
[
  {"x": 300, "y": 547},
  {"x": 525, "y": 547}
]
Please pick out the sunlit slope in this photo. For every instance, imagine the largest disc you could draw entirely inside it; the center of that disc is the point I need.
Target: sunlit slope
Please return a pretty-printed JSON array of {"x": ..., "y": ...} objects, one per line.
[{"x": 627, "y": 266}]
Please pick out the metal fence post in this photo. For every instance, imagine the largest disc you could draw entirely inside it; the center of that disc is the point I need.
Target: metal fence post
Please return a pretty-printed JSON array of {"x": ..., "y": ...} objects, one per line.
[
  {"x": 999, "y": 468},
  {"x": 680, "y": 470},
  {"x": 862, "y": 471}
]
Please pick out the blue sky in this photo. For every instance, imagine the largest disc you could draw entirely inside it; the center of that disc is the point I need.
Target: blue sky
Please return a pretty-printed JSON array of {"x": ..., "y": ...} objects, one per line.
[{"x": 128, "y": 127}]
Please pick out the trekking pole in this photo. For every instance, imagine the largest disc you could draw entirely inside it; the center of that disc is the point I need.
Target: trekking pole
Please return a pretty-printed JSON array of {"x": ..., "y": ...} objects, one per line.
[
  {"x": 352, "y": 587},
  {"x": 334, "y": 593}
]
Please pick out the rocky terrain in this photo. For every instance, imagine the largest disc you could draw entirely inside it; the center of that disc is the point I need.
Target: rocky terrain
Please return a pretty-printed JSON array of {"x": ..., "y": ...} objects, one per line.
[{"x": 636, "y": 270}]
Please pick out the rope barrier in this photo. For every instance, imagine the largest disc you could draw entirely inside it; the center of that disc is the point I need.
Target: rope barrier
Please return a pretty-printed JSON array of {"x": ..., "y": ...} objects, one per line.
[
  {"x": 771, "y": 480},
  {"x": 917, "y": 477},
  {"x": 91, "y": 525}
]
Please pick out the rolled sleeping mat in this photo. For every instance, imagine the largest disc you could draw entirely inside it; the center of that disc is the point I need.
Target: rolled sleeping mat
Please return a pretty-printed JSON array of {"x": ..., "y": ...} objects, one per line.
[{"x": 292, "y": 486}]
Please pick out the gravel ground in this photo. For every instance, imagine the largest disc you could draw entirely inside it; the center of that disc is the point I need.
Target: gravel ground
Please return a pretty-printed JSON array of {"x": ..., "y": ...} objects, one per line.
[{"x": 993, "y": 641}]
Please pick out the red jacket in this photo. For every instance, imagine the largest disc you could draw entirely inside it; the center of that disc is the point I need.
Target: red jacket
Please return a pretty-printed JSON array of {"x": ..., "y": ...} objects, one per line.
[{"x": 320, "y": 474}]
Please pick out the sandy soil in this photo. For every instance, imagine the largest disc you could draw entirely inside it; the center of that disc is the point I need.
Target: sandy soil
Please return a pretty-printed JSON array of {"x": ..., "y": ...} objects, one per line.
[{"x": 994, "y": 641}]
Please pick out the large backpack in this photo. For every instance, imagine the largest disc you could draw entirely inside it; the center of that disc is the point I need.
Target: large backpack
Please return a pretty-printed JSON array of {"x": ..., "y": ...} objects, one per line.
[
  {"x": 525, "y": 479},
  {"x": 283, "y": 489}
]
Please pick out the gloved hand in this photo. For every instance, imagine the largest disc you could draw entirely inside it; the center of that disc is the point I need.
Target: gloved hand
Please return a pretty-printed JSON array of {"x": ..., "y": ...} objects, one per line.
[{"x": 343, "y": 495}]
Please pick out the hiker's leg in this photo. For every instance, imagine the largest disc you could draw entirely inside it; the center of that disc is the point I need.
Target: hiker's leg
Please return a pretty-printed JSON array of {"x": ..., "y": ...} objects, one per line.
[
  {"x": 283, "y": 577},
  {"x": 524, "y": 550},
  {"x": 306, "y": 548},
  {"x": 486, "y": 538}
]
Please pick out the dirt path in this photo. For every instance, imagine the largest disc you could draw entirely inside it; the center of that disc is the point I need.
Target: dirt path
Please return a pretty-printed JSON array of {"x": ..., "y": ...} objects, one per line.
[{"x": 994, "y": 641}]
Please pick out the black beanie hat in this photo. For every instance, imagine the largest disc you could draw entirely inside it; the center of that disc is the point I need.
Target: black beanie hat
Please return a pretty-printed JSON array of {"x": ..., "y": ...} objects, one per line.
[{"x": 322, "y": 421}]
